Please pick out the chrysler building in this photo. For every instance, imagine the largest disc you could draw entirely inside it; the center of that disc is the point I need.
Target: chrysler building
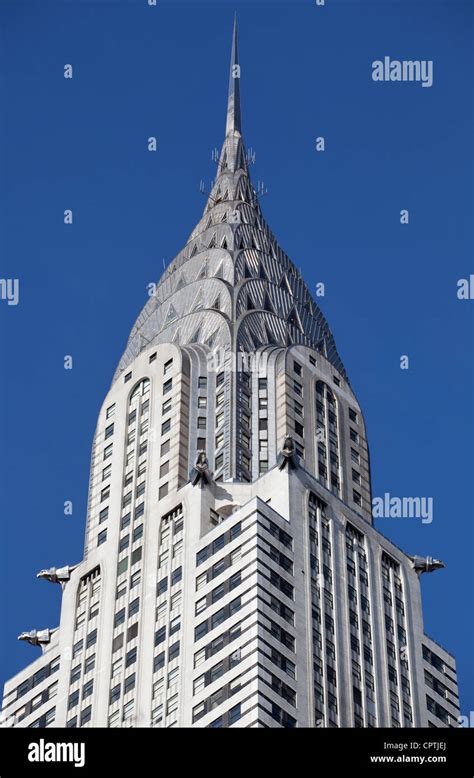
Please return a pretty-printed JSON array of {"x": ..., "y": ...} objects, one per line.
[{"x": 232, "y": 575}]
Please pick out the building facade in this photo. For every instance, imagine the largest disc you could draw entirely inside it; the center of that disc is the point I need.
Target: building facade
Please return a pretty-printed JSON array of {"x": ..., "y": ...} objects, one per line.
[{"x": 232, "y": 575}]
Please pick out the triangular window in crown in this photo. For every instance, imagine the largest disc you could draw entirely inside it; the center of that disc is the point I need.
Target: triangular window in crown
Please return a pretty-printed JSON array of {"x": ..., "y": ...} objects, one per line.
[
  {"x": 224, "y": 217},
  {"x": 181, "y": 282},
  {"x": 209, "y": 223},
  {"x": 195, "y": 338},
  {"x": 267, "y": 305},
  {"x": 217, "y": 303},
  {"x": 224, "y": 242},
  {"x": 194, "y": 250},
  {"x": 211, "y": 341},
  {"x": 198, "y": 303},
  {"x": 295, "y": 320},
  {"x": 255, "y": 243},
  {"x": 250, "y": 304},
  {"x": 285, "y": 286},
  {"x": 212, "y": 242},
  {"x": 261, "y": 272},
  {"x": 220, "y": 271},
  {"x": 203, "y": 271},
  {"x": 171, "y": 316},
  {"x": 247, "y": 271},
  {"x": 271, "y": 340}
]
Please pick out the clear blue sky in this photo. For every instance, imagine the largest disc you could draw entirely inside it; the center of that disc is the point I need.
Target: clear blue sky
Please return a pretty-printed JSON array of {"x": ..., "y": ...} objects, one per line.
[{"x": 390, "y": 289}]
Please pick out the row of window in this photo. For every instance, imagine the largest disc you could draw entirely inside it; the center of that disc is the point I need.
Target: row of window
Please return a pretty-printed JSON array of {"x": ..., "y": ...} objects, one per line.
[
  {"x": 38, "y": 677},
  {"x": 220, "y": 591},
  {"x": 219, "y": 543},
  {"x": 217, "y": 698},
  {"x": 217, "y": 618}
]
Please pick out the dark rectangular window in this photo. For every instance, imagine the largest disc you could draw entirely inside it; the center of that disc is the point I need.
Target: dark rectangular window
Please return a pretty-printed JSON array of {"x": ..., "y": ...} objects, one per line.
[
  {"x": 117, "y": 643},
  {"x": 136, "y": 556},
  {"x": 124, "y": 543},
  {"x": 200, "y": 630},
  {"x": 173, "y": 651},
  {"x": 137, "y": 532},
  {"x": 234, "y": 606},
  {"x": 160, "y": 635},
  {"x": 202, "y": 555},
  {"x": 235, "y": 580},
  {"x": 217, "y": 618},
  {"x": 235, "y": 531},
  {"x": 162, "y": 586},
  {"x": 218, "y": 543},
  {"x": 114, "y": 694},
  {"x": 129, "y": 683},
  {"x": 75, "y": 674},
  {"x": 134, "y": 607},
  {"x": 217, "y": 593},
  {"x": 176, "y": 575},
  {"x": 131, "y": 657},
  {"x": 125, "y": 520}
]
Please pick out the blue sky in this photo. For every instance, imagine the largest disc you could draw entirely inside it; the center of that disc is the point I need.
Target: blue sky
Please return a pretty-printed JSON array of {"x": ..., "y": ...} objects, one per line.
[{"x": 390, "y": 289}]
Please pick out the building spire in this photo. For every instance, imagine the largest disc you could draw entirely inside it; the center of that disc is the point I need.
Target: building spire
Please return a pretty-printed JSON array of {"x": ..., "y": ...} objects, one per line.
[{"x": 233, "y": 104}]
